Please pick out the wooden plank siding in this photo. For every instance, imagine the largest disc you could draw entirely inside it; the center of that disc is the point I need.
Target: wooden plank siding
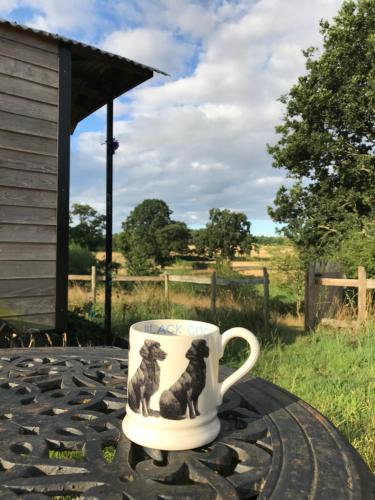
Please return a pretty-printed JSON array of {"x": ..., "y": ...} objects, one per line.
[
  {"x": 27, "y": 161},
  {"x": 29, "y": 39},
  {"x": 28, "y": 178},
  {"x": 29, "y": 53},
  {"x": 33, "y": 215},
  {"x": 19, "y": 269},
  {"x": 27, "y": 233},
  {"x": 24, "y": 107},
  {"x": 27, "y": 197},
  {"x": 27, "y": 142},
  {"x": 32, "y": 252},
  {"x": 24, "y": 88},
  {"x": 21, "y": 69},
  {"x": 32, "y": 126}
]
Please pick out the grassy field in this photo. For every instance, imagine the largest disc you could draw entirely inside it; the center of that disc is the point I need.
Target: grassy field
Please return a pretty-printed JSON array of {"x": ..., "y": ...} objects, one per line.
[{"x": 333, "y": 370}]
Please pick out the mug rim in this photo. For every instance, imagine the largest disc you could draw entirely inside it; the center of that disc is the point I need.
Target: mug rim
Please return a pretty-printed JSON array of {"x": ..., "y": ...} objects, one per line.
[{"x": 163, "y": 322}]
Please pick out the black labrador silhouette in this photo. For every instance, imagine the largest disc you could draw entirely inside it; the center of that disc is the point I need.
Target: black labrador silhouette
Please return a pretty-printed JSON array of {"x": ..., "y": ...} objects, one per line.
[
  {"x": 185, "y": 392},
  {"x": 145, "y": 382}
]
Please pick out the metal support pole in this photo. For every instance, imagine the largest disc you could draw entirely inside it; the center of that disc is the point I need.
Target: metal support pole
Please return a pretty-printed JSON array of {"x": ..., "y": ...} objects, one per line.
[{"x": 108, "y": 227}]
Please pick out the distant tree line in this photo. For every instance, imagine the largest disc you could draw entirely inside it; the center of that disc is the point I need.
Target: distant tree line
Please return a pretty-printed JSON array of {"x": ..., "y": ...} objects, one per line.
[
  {"x": 272, "y": 240},
  {"x": 150, "y": 237}
]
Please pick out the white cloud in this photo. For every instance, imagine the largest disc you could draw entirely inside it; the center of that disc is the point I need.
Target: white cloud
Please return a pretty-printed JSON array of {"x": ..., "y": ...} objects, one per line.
[
  {"x": 6, "y": 6},
  {"x": 199, "y": 141},
  {"x": 64, "y": 17},
  {"x": 153, "y": 47},
  {"x": 186, "y": 17},
  {"x": 271, "y": 179}
]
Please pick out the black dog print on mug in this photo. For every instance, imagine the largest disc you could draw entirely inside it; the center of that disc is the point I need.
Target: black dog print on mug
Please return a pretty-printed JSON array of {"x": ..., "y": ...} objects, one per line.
[
  {"x": 145, "y": 382},
  {"x": 184, "y": 393}
]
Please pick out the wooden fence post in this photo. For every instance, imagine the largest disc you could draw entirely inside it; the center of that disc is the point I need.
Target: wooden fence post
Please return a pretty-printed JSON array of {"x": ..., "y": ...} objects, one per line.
[
  {"x": 362, "y": 292},
  {"x": 310, "y": 298},
  {"x": 266, "y": 298},
  {"x": 93, "y": 283},
  {"x": 213, "y": 293},
  {"x": 166, "y": 286}
]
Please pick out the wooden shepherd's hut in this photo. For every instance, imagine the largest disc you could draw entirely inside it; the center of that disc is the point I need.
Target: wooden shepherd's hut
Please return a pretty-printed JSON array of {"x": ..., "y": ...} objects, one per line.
[{"x": 48, "y": 84}]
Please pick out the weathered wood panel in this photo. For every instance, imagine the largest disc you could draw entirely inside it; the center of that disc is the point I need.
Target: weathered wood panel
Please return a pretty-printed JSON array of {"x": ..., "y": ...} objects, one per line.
[
  {"x": 33, "y": 215},
  {"x": 20, "y": 269},
  {"x": 26, "y": 305},
  {"x": 25, "y": 107},
  {"x": 29, "y": 39},
  {"x": 29, "y": 82},
  {"x": 23, "y": 142},
  {"x": 25, "y": 88},
  {"x": 27, "y": 71},
  {"x": 27, "y": 197},
  {"x": 26, "y": 53},
  {"x": 27, "y": 161},
  {"x": 30, "y": 252},
  {"x": 41, "y": 321},
  {"x": 26, "y": 125},
  {"x": 26, "y": 287},
  {"x": 26, "y": 233},
  {"x": 31, "y": 180}
]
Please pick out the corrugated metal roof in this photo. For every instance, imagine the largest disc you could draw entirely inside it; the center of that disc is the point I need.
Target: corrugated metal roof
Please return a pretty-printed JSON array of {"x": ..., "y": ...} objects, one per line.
[{"x": 71, "y": 42}]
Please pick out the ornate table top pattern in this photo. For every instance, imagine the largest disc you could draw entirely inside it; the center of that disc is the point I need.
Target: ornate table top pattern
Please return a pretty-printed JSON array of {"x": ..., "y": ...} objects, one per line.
[{"x": 272, "y": 445}]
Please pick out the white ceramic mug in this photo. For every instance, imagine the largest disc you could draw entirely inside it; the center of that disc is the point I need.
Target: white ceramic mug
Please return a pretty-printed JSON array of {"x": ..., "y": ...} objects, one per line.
[{"x": 173, "y": 382}]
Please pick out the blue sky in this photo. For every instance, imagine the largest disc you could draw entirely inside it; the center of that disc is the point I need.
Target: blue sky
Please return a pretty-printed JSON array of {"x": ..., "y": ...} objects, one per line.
[{"x": 196, "y": 139}]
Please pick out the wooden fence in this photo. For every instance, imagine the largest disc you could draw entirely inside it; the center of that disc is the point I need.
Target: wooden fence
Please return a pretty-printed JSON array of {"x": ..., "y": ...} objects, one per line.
[
  {"x": 166, "y": 278},
  {"x": 315, "y": 308}
]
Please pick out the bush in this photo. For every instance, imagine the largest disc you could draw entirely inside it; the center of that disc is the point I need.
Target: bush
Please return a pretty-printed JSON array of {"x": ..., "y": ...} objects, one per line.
[
  {"x": 80, "y": 259},
  {"x": 357, "y": 249},
  {"x": 197, "y": 266},
  {"x": 85, "y": 331},
  {"x": 289, "y": 275}
]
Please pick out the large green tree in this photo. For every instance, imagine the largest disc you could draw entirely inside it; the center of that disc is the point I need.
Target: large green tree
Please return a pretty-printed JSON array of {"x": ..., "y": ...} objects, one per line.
[
  {"x": 327, "y": 138},
  {"x": 89, "y": 231},
  {"x": 225, "y": 234},
  {"x": 150, "y": 235}
]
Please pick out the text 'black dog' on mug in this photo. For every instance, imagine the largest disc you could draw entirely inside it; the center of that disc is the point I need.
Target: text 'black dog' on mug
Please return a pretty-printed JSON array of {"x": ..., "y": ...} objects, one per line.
[{"x": 173, "y": 382}]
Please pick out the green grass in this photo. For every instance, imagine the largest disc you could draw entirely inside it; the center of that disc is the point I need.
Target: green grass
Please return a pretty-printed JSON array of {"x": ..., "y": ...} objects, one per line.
[
  {"x": 332, "y": 370},
  {"x": 75, "y": 455},
  {"x": 108, "y": 455}
]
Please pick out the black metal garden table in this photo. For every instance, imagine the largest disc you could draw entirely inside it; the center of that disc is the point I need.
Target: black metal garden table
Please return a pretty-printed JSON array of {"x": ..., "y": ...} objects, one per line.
[{"x": 272, "y": 444}]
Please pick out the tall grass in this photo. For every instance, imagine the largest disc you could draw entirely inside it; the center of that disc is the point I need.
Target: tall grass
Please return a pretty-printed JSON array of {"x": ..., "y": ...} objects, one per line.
[{"x": 239, "y": 306}]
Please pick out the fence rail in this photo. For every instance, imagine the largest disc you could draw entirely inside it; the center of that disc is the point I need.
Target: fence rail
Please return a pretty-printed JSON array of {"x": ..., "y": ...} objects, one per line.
[
  {"x": 201, "y": 280},
  {"x": 211, "y": 280},
  {"x": 370, "y": 283}
]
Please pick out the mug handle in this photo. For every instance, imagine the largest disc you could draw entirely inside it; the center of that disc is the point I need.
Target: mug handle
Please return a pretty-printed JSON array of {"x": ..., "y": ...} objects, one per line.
[{"x": 249, "y": 363}]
